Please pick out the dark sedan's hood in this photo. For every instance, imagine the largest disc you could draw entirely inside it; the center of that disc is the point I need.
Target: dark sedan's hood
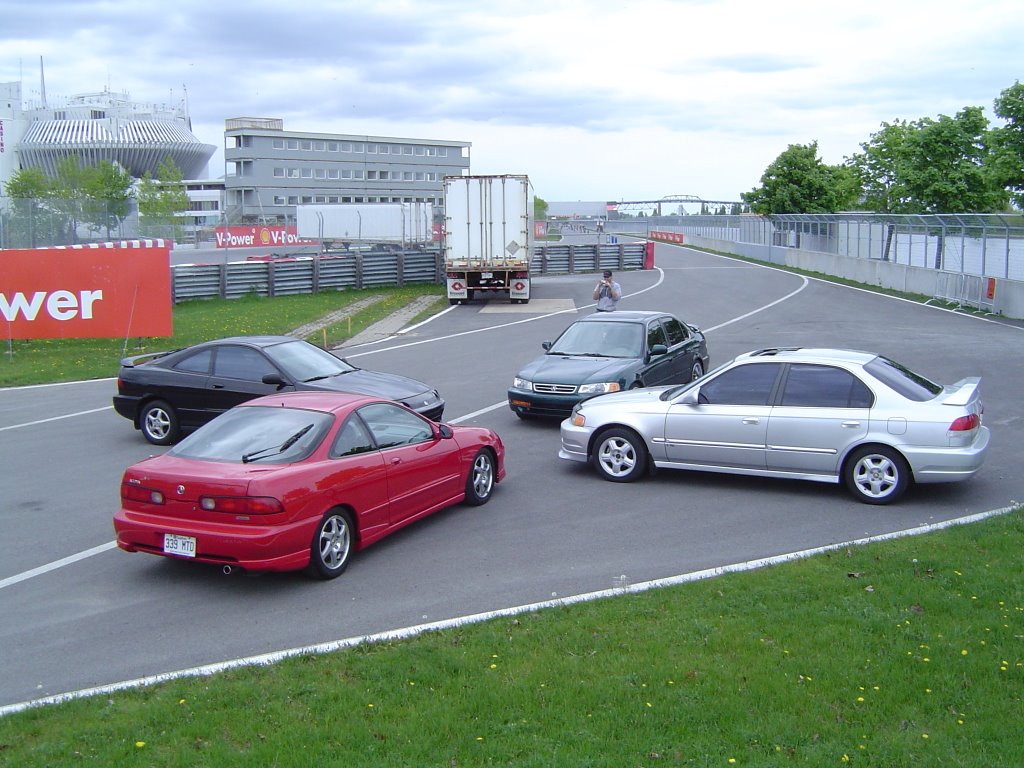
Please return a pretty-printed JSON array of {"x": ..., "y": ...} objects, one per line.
[
  {"x": 578, "y": 369},
  {"x": 376, "y": 383}
]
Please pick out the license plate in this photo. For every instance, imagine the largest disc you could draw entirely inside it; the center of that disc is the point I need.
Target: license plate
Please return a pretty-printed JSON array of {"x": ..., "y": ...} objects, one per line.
[
  {"x": 179, "y": 545},
  {"x": 487, "y": 275}
]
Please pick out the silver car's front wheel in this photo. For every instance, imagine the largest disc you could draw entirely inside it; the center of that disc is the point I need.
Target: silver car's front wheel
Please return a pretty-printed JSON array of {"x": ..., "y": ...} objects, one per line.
[
  {"x": 620, "y": 455},
  {"x": 877, "y": 475}
]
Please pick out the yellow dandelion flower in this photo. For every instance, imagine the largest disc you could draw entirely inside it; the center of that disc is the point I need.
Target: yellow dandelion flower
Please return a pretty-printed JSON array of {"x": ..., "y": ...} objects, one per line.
[
  {"x": 140, "y": 744},
  {"x": 924, "y": 735},
  {"x": 860, "y": 698},
  {"x": 963, "y": 652}
]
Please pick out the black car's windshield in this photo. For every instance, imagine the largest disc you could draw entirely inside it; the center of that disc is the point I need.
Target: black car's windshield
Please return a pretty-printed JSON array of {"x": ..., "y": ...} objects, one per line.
[
  {"x": 274, "y": 435},
  {"x": 597, "y": 339},
  {"x": 305, "y": 362}
]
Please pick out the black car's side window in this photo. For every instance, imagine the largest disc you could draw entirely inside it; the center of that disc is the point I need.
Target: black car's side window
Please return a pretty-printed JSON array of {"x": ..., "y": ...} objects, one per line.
[
  {"x": 676, "y": 331},
  {"x": 197, "y": 363},
  {"x": 656, "y": 335},
  {"x": 822, "y": 386},
  {"x": 241, "y": 363},
  {"x": 744, "y": 385},
  {"x": 392, "y": 425},
  {"x": 352, "y": 439}
]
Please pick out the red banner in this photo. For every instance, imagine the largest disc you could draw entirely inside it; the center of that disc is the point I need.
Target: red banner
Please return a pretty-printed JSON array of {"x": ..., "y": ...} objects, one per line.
[
  {"x": 88, "y": 293},
  {"x": 259, "y": 236}
]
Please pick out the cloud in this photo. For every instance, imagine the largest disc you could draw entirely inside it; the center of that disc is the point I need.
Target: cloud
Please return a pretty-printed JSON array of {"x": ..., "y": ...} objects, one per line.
[{"x": 596, "y": 99}]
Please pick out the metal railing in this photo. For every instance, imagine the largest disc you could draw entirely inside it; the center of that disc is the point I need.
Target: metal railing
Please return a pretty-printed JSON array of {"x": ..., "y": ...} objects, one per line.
[
  {"x": 986, "y": 245},
  {"x": 335, "y": 272}
]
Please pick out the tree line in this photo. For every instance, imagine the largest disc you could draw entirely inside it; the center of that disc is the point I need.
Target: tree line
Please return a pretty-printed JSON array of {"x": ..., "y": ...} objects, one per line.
[
  {"x": 945, "y": 165},
  {"x": 53, "y": 210}
]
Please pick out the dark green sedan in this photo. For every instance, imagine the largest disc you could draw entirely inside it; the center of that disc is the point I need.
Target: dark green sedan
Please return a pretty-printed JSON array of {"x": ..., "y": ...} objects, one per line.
[{"x": 608, "y": 352}]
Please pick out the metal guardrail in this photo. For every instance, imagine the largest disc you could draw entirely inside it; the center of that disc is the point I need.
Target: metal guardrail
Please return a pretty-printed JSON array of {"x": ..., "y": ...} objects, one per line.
[{"x": 335, "y": 272}]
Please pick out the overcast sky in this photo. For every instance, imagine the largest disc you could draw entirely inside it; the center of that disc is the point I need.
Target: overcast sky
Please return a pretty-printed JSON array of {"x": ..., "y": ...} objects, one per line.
[{"x": 594, "y": 100}]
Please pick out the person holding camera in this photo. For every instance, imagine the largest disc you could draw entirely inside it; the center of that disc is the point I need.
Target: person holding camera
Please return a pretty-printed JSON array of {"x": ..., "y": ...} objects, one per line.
[{"x": 607, "y": 293}]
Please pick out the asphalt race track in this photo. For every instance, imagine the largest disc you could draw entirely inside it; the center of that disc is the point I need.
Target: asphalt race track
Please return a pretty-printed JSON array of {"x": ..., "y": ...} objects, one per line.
[{"x": 78, "y": 613}]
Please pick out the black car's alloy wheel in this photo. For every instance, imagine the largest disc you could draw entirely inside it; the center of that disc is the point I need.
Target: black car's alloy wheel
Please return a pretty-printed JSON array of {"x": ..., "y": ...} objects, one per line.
[{"x": 159, "y": 423}]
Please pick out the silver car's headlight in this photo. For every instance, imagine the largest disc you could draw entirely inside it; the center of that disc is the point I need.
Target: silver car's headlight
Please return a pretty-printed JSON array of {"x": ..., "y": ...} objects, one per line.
[
  {"x": 523, "y": 384},
  {"x": 600, "y": 388}
]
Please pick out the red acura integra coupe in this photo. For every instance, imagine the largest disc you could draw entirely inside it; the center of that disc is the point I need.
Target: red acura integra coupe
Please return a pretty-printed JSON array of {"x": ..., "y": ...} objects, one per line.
[{"x": 302, "y": 480}]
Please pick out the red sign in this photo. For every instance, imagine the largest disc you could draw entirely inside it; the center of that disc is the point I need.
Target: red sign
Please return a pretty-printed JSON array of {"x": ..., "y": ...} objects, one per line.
[
  {"x": 259, "y": 236},
  {"x": 86, "y": 293}
]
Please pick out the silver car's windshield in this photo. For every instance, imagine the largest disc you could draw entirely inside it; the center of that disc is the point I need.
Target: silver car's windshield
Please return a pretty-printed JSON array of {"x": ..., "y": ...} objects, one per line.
[
  {"x": 611, "y": 339},
  {"x": 305, "y": 362}
]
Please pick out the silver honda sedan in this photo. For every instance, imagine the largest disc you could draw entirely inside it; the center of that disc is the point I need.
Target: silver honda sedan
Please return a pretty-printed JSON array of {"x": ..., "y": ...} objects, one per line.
[{"x": 827, "y": 415}]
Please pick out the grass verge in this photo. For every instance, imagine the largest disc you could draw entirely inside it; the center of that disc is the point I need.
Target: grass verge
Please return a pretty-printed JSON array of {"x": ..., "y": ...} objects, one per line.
[
  {"x": 901, "y": 653},
  {"x": 42, "y": 361}
]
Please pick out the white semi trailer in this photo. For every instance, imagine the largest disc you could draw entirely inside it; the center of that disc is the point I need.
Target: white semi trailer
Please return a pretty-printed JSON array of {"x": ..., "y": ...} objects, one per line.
[
  {"x": 488, "y": 237},
  {"x": 389, "y": 225}
]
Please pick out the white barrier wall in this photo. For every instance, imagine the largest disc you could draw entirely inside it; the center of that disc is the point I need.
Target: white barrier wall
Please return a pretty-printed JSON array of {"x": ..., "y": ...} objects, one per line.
[{"x": 1007, "y": 296}]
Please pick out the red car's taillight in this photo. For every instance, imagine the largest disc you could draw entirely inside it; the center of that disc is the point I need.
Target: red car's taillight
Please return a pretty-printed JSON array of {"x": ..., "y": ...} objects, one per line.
[
  {"x": 241, "y": 505},
  {"x": 965, "y": 423},
  {"x": 138, "y": 493}
]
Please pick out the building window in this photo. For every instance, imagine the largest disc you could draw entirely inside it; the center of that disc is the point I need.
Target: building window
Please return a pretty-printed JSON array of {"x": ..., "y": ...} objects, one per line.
[
  {"x": 346, "y": 173},
  {"x": 320, "y": 198},
  {"x": 293, "y": 143},
  {"x": 279, "y": 173},
  {"x": 307, "y": 144},
  {"x": 371, "y": 149},
  {"x": 320, "y": 173},
  {"x": 420, "y": 151},
  {"x": 293, "y": 200},
  {"x": 442, "y": 151},
  {"x": 332, "y": 198},
  {"x": 371, "y": 175},
  {"x": 332, "y": 146},
  {"x": 357, "y": 174},
  {"x": 278, "y": 143},
  {"x": 293, "y": 173},
  {"x": 420, "y": 176},
  {"x": 319, "y": 146},
  {"x": 307, "y": 199},
  {"x": 406, "y": 175},
  {"x": 332, "y": 173},
  {"x": 307, "y": 173},
  {"x": 406, "y": 150},
  {"x": 357, "y": 147},
  {"x": 279, "y": 200}
]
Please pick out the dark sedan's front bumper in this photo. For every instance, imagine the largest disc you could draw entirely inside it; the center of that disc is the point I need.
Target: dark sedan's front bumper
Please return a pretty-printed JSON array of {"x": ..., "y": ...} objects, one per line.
[{"x": 525, "y": 403}]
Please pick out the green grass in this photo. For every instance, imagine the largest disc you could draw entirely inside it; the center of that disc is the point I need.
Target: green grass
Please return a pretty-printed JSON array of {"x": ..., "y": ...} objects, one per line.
[
  {"x": 40, "y": 361},
  {"x": 899, "y": 653}
]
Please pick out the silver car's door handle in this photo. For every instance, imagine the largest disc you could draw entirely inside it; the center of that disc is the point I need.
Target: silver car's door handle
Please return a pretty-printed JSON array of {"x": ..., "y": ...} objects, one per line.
[
  {"x": 751, "y": 420},
  {"x": 851, "y": 424}
]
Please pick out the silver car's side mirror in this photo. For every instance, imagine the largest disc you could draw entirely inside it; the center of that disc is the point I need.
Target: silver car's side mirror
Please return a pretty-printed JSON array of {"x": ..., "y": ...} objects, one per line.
[{"x": 689, "y": 397}]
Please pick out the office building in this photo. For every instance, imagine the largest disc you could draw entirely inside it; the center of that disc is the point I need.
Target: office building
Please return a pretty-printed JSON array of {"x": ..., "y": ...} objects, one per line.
[{"x": 269, "y": 171}]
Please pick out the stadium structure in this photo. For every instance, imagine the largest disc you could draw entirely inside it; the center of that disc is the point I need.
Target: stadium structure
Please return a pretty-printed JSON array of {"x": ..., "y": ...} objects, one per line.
[{"x": 96, "y": 127}]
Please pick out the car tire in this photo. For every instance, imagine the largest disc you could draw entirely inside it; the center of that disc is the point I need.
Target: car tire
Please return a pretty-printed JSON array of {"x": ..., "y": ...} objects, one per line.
[
  {"x": 480, "y": 483},
  {"x": 332, "y": 545},
  {"x": 159, "y": 423},
  {"x": 876, "y": 474},
  {"x": 697, "y": 371},
  {"x": 620, "y": 455}
]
